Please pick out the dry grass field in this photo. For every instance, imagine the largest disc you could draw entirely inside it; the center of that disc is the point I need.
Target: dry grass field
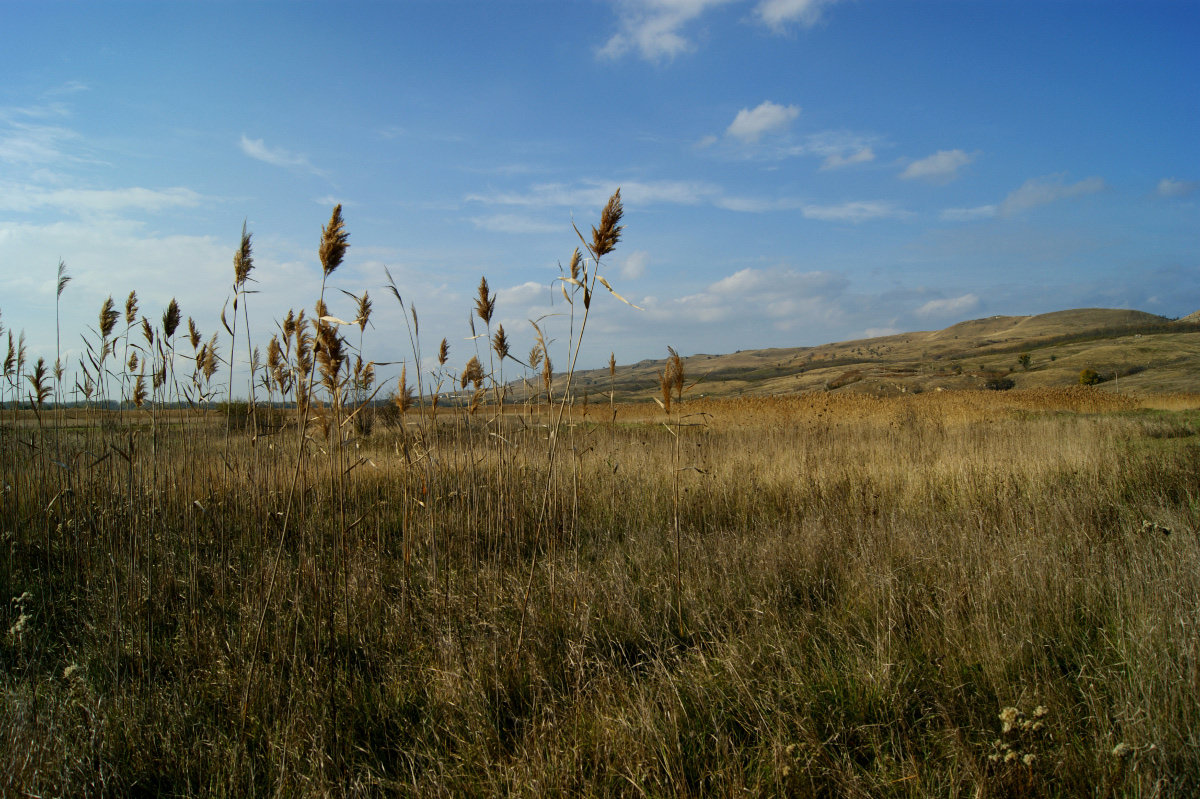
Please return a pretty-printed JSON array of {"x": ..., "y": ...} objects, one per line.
[{"x": 947, "y": 593}]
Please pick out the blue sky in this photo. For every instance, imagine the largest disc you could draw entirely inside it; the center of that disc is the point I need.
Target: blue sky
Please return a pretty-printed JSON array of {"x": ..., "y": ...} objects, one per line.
[{"x": 794, "y": 171}]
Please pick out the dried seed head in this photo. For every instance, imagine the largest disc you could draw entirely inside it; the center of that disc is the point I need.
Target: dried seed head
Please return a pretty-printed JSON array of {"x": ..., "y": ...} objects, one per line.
[
  {"x": 472, "y": 373},
  {"x": 574, "y": 267},
  {"x": 210, "y": 358},
  {"x": 605, "y": 238},
  {"x": 403, "y": 399},
  {"x": 147, "y": 331},
  {"x": 443, "y": 353},
  {"x": 193, "y": 333},
  {"x": 612, "y": 364},
  {"x": 63, "y": 277},
  {"x": 243, "y": 260},
  {"x": 170, "y": 318},
  {"x": 108, "y": 318},
  {"x": 334, "y": 242},
  {"x": 535, "y": 356},
  {"x": 364, "y": 311},
  {"x": 131, "y": 308},
  {"x": 500, "y": 343},
  {"x": 485, "y": 304}
]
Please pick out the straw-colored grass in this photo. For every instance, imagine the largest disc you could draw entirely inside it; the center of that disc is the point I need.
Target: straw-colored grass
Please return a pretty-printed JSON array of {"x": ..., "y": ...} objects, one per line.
[{"x": 947, "y": 594}]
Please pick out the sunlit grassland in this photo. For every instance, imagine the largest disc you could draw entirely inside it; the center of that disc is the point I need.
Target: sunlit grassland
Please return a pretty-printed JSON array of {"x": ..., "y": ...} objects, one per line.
[{"x": 815, "y": 595}]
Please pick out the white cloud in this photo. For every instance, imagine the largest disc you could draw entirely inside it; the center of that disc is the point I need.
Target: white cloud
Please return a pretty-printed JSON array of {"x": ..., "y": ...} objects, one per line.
[
  {"x": 1032, "y": 193},
  {"x": 776, "y": 14},
  {"x": 522, "y": 295},
  {"x": 705, "y": 142},
  {"x": 860, "y": 211},
  {"x": 969, "y": 214},
  {"x": 941, "y": 167},
  {"x": 653, "y": 28},
  {"x": 514, "y": 223},
  {"x": 1042, "y": 191},
  {"x": 275, "y": 156},
  {"x": 949, "y": 307},
  {"x": 777, "y": 294},
  {"x": 21, "y": 198},
  {"x": 1170, "y": 187},
  {"x": 595, "y": 193},
  {"x": 750, "y": 125},
  {"x": 634, "y": 265},
  {"x": 839, "y": 160}
]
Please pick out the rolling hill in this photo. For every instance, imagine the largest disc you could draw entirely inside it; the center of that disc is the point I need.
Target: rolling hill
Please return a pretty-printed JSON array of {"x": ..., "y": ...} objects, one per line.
[{"x": 1130, "y": 351}]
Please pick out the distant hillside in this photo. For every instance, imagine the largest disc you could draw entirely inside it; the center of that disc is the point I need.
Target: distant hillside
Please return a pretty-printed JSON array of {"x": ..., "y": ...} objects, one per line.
[{"x": 1130, "y": 351}]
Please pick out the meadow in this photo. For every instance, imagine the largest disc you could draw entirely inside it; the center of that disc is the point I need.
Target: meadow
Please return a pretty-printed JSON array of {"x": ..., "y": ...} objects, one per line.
[{"x": 957, "y": 593}]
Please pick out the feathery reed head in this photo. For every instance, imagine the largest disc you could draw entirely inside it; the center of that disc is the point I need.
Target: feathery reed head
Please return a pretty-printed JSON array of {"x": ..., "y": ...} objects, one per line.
[
  {"x": 131, "y": 308},
  {"x": 38, "y": 380},
  {"x": 243, "y": 260},
  {"x": 330, "y": 354},
  {"x": 574, "y": 266},
  {"x": 11, "y": 360},
  {"x": 193, "y": 333},
  {"x": 334, "y": 242},
  {"x": 209, "y": 365},
  {"x": 443, "y": 353},
  {"x": 63, "y": 277},
  {"x": 108, "y": 318},
  {"x": 605, "y": 238},
  {"x": 612, "y": 364},
  {"x": 485, "y": 304},
  {"x": 535, "y": 356},
  {"x": 403, "y": 398},
  {"x": 500, "y": 343},
  {"x": 170, "y": 318},
  {"x": 363, "y": 311},
  {"x": 472, "y": 373}
]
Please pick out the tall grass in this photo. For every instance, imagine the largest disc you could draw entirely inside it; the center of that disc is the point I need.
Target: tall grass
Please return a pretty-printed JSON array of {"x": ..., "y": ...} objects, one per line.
[{"x": 946, "y": 594}]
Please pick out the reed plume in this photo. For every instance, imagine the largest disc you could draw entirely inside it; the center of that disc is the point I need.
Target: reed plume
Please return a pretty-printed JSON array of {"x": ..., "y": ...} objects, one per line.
[
  {"x": 131, "y": 308},
  {"x": 605, "y": 237},
  {"x": 170, "y": 319},
  {"x": 334, "y": 242},
  {"x": 243, "y": 261},
  {"x": 108, "y": 318}
]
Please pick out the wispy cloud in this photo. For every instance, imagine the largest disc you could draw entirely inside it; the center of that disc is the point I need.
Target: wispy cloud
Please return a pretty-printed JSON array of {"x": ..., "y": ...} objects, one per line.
[
  {"x": 750, "y": 125},
  {"x": 1033, "y": 193},
  {"x": 941, "y": 167},
  {"x": 778, "y": 14},
  {"x": 839, "y": 160},
  {"x": 634, "y": 265},
  {"x": 514, "y": 223},
  {"x": 949, "y": 307},
  {"x": 969, "y": 214},
  {"x": 1170, "y": 187},
  {"x": 653, "y": 28},
  {"x": 15, "y": 197},
  {"x": 594, "y": 194},
  {"x": 779, "y": 295},
  {"x": 29, "y": 136},
  {"x": 860, "y": 211},
  {"x": 276, "y": 156},
  {"x": 1045, "y": 190}
]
